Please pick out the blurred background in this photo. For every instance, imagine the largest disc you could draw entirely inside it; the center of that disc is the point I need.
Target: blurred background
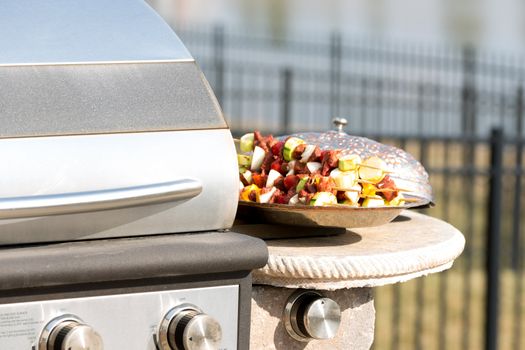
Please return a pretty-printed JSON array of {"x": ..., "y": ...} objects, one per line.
[{"x": 442, "y": 79}]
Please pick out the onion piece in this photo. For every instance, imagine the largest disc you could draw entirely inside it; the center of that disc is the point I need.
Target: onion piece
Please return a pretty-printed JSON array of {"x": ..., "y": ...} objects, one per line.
[
  {"x": 265, "y": 197},
  {"x": 308, "y": 151},
  {"x": 294, "y": 200},
  {"x": 272, "y": 176},
  {"x": 247, "y": 176},
  {"x": 257, "y": 158},
  {"x": 313, "y": 166},
  {"x": 344, "y": 179}
]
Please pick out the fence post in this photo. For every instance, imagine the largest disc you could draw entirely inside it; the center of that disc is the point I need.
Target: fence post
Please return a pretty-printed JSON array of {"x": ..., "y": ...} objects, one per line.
[
  {"x": 218, "y": 62},
  {"x": 468, "y": 115},
  {"x": 468, "y": 91},
  {"x": 286, "y": 97},
  {"x": 516, "y": 215},
  {"x": 335, "y": 74},
  {"x": 493, "y": 240}
]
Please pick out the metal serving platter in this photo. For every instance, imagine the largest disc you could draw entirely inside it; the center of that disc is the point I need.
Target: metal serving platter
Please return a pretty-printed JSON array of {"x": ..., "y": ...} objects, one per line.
[{"x": 326, "y": 216}]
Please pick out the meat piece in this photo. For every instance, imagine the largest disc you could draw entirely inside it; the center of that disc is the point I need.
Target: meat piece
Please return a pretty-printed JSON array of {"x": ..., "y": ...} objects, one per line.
[
  {"x": 278, "y": 197},
  {"x": 307, "y": 197},
  {"x": 300, "y": 168},
  {"x": 252, "y": 196},
  {"x": 277, "y": 166},
  {"x": 259, "y": 180},
  {"x": 290, "y": 181},
  {"x": 310, "y": 187},
  {"x": 340, "y": 196},
  {"x": 326, "y": 184},
  {"x": 279, "y": 183},
  {"x": 284, "y": 168},
  {"x": 298, "y": 151},
  {"x": 387, "y": 183},
  {"x": 265, "y": 142},
  {"x": 316, "y": 155},
  {"x": 329, "y": 161},
  {"x": 277, "y": 150},
  {"x": 267, "y": 162},
  {"x": 284, "y": 198}
]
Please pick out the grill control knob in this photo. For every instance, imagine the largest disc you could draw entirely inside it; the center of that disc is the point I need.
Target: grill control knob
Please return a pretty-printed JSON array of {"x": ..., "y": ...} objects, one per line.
[
  {"x": 69, "y": 333},
  {"x": 308, "y": 315},
  {"x": 186, "y": 327}
]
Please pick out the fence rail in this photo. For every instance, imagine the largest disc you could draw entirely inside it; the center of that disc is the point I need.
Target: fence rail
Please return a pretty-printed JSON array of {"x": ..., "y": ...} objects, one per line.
[{"x": 438, "y": 103}]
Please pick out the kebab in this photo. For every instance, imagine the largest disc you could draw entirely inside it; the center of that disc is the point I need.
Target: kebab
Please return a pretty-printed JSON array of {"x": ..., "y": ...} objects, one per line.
[{"x": 293, "y": 172}]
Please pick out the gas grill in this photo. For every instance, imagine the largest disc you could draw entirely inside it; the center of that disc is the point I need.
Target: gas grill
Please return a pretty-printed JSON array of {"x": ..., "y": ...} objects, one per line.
[{"x": 118, "y": 187}]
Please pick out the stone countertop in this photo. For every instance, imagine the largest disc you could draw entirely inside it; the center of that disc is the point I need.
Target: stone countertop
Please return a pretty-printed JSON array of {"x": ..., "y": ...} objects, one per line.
[{"x": 411, "y": 246}]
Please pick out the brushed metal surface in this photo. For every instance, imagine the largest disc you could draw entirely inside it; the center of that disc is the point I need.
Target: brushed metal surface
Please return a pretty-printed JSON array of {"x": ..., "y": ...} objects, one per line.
[
  {"x": 203, "y": 332},
  {"x": 82, "y": 337},
  {"x": 290, "y": 313},
  {"x": 186, "y": 327},
  {"x": 58, "y": 31},
  {"x": 329, "y": 216},
  {"x": 322, "y": 318},
  {"x": 70, "y": 335},
  {"x": 105, "y": 98},
  {"x": 167, "y": 327},
  {"x": 81, "y": 202},
  {"x": 308, "y": 315},
  {"x": 47, "y": 332},
  {"x": 125, "y": 321},
  {"x": 99, "y": 162}
]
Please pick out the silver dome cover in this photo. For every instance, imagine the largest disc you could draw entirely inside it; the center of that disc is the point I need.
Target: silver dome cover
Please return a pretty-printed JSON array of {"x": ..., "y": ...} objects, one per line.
[{"x": 408, "y": 174}]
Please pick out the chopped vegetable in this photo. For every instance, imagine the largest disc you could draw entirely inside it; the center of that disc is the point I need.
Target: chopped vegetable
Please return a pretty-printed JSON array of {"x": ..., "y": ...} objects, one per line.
[
  {"x": 265, "y": 197},
  {"x": 301, "y": 184},
  {"x": 246, "y": 144},
  {"x": 373, "y": 203},
  {"x": 343, "y": 179},
  {"x": 308, "y": 151},
  {"x": 244, "y": 160},
  {"x": 294, "y": 200},
  {"x": 257, "y": 158},
  {"x": 323, "y": 198},
  {"x": 247, "y": 175},
  {"x": 372, "y": 169},
  {"x": 272, "y": 176},
  {"x": 289, "y": 147},
  {"x": 349, "y": 162},
  {"x": 245, "y": 193},
  {"x": 313, "y": 167}
]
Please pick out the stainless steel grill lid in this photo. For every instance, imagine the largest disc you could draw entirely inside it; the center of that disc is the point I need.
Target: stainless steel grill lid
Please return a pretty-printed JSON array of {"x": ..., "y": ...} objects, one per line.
[
  {"x": 78, "y": 67},
  {"x": 109, "y": 127},
  {"x": 73, "y": 31}
]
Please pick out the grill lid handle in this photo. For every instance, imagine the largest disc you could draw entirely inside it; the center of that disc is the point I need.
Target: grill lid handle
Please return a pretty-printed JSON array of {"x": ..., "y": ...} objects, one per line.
[{"x": 81, "y": 202}]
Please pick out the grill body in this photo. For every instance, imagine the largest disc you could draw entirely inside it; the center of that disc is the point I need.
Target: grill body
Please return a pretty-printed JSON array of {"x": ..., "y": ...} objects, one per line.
[
  {"x": 109, "y": 127},
  {"x": 123, "y": 287},
  {"x": 118, "y": 186}
]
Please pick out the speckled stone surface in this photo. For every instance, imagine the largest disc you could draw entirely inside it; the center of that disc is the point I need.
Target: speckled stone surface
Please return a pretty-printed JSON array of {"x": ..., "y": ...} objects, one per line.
[
  {"x": 344, "y": 265},
  {"x": 268, "y": 333},
  {"x": 411, "y": 246}
]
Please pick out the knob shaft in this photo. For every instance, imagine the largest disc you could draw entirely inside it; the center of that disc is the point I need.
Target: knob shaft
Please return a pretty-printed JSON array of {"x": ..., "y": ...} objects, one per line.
[{"x": 308, "y": 315}]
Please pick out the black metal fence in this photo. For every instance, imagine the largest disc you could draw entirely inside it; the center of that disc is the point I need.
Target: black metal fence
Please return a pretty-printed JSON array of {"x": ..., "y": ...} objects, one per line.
[{"x": 438, "y": 103}]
